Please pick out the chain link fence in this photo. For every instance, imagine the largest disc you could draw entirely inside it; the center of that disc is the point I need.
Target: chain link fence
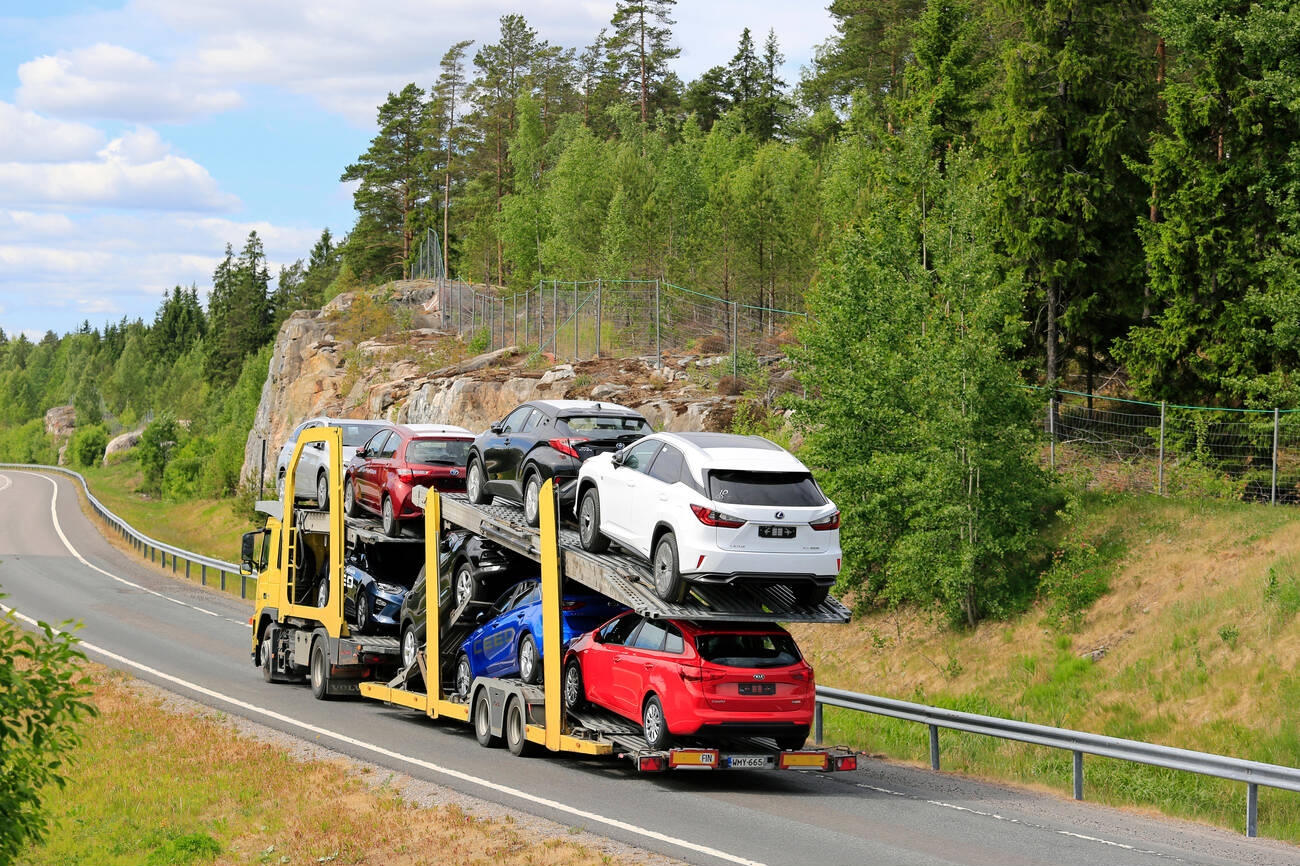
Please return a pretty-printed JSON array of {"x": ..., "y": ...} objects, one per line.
[{"x": 1251, "y": 454}]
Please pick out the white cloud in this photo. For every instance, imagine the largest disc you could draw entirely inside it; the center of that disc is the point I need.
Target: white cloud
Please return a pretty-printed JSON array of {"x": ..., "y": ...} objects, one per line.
[
  {"x": 26, "y": 136},
  {"x": 109, "y": 81},
  {"x": 133, "y": 171}
]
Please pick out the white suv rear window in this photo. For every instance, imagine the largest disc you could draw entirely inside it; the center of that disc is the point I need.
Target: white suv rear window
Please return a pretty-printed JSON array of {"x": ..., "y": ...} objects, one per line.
[{"x": 787, "y": 489}]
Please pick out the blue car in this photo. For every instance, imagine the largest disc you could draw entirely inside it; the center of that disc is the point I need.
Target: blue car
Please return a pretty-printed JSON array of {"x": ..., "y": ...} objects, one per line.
[
  {"x": 509, "y": 643},
  {"x": 376, "y": 579}
]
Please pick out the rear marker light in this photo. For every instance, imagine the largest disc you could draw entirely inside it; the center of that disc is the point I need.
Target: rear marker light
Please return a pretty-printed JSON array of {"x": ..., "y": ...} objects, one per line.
[
  {"x": 846, "y": 762},
  {"x": 709, "y": 517},
  {"x": 832, "y": 522},
  {"x": 651, "y": 763}
]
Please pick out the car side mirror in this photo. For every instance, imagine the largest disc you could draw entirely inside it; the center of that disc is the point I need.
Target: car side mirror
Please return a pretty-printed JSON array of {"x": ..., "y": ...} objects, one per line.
[
  {"x": 497, "y": 427},
  {"x": 363, "y": 453},
  {"x": 619, "y": 458}
]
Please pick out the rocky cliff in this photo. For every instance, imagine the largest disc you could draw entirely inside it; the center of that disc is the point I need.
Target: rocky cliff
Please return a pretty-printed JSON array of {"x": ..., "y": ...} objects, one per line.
[{"x": 323, "y": 365}]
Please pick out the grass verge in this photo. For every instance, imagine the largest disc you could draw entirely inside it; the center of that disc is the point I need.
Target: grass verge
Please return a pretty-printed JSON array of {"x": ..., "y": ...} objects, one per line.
[{"x": 152, "y": 785}]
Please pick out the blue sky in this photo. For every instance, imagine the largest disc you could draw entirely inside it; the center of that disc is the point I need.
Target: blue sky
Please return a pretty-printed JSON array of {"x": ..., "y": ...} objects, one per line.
[{"x": 139, "y": 137}]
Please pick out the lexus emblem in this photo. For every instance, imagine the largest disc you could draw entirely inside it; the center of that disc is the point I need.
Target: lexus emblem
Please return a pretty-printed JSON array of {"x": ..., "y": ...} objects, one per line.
[{"x": 780, "y": 515}]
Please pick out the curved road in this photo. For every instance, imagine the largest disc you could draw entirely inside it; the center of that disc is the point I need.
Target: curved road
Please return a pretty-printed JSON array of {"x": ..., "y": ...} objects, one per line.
[{"x": 55, "y": 566}]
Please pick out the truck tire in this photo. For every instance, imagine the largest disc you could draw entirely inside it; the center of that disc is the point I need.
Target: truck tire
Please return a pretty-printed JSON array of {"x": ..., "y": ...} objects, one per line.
[
  {"x": 589, "y": 534},
  {"x": 669, "y": 585},
  {"x": 482, "y": 718},
  {"x": 476, "y": 483},
  {"x": 516, "y": 729},
  {"x": 575, "y": 696},
  {"x": 654, "y": 724},
  {"x": 320, "y": 671},
  {"x": 532, "y": 498},
  {"x": 265, "y": 650},
  {"x": 530, "y": 662}
]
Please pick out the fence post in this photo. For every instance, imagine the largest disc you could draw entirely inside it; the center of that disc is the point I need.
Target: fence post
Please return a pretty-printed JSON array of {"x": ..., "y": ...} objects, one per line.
[
  {"x": 574, "y": 319},
  {"x": 659, "y": 350},
  {"x": 1051, "y": 428},
  {"x": 1273, "y": 498},
  {"x": 600, "y": 312},
  {"x": 1160, "y": 462},
  {"x": 514, "y": 318},
  {"x": 735, "y": 344}
]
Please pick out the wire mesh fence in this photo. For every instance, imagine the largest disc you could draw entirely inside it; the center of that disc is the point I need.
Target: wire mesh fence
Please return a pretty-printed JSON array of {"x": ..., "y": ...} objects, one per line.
[{"x": 1251, "y": 454}]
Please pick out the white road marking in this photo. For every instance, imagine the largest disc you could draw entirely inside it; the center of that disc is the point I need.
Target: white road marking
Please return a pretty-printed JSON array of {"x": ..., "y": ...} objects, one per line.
[
  {"x": 54, "y": 516},
  {"x": 360, "y": 744},
  {"x": 5, "y": 481}
]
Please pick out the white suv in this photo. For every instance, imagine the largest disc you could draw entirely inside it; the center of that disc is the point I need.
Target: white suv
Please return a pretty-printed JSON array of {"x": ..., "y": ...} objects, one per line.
[{"x": 712, "y": 508}]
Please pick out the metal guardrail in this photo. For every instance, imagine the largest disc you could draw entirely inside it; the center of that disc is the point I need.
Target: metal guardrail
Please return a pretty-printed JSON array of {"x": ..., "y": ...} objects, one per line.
[
  {"x": 149, "y": 548},
  {"x": 1253, "y": 773},
  {"x": 1079, "y": 743}
]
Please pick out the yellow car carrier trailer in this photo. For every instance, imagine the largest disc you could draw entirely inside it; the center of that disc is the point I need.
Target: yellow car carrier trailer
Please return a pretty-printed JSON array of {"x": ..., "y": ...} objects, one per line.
[{"x": 300, "y": 635}]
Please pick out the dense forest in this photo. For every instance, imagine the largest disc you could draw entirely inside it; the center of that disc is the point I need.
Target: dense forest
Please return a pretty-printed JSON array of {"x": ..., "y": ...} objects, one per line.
[{"x": 965, "y": 196}]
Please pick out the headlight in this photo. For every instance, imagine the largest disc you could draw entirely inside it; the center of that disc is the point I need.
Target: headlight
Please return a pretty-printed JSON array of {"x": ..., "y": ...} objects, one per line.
[{"x": 388, "y": 588}]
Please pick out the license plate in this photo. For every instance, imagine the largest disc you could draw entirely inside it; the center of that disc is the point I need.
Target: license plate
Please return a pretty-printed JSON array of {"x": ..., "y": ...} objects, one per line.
[
  {"x": 740, "y": 761},
  {"x": 758, "y": 688},
  {"x": 776, "y": 532}
]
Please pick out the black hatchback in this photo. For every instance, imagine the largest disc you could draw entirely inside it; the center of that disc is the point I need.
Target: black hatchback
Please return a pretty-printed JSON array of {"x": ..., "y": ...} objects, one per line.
[{"x": 544, "y": 439}]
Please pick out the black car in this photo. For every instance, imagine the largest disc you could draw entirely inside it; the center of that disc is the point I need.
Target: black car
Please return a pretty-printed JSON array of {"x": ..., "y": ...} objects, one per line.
[
  {"x": 376, "y": 579},
  {"x": 475, "y": 566},
  {"x": 544, "y": 439}
]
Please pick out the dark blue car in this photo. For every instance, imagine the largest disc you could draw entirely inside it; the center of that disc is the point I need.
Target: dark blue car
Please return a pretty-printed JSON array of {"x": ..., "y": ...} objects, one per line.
[
  {"x": 376, "y": 578},
  {"x": 509, "y": 643}
]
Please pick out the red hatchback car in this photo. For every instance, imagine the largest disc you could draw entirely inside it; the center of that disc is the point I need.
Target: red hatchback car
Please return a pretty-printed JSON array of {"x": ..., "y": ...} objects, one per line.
[
  {"x": 689, "y": 679},
  {"x": 396, "y": 460}
]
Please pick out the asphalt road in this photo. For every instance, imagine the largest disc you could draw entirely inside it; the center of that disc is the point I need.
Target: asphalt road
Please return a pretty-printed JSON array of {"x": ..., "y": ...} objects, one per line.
[{"x": 56, "y": 566}]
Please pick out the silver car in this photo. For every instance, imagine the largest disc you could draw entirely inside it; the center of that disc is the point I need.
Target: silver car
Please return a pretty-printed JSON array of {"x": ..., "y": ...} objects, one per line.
[{"x": 312, "y": 477}]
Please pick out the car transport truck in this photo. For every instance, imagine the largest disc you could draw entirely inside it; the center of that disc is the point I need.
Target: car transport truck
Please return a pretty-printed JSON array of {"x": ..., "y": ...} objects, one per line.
[{"x": 299, "y": 631}]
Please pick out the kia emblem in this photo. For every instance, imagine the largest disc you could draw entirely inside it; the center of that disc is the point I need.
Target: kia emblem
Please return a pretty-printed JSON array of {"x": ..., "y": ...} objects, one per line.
[
  {"x": 780, "y": 515},
  {"x": 760, "y": 676}
]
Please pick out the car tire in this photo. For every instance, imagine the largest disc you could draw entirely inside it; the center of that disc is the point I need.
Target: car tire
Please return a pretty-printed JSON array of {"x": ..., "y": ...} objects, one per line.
[
  {"x": 575, "y": 695},
  {"x": 350, "y": 507},
  {"x": 532, "y": 498},
  {"x": 464, "y": 677},
  {"x": 320, "y": 671},
  {"x": 589, "y": 534},
  {"x": 530, "y": 662},
  {"x": 464, "y": 587},
  {"x": 476, "y": 483},
  {"x": 392, "y": 528},
  {"x": 410, "y": 647},
  {"x": 669, "y": 585},
  {"x": 810, "y": 594},
  {"x": 482, "y": 716},
  {"x": 516, "y": 729},
  {"x": 654, "y": 724},
  {"x": 363, "y": 614},
  {"x": 322, "y": 491},
  {"x": 323, "y": 592}
]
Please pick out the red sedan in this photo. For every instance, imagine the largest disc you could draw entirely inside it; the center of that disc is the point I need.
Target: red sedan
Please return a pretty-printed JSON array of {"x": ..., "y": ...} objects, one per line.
[
  {"x": 689, "y": 679},
  {"x": 395, "y": 461}
]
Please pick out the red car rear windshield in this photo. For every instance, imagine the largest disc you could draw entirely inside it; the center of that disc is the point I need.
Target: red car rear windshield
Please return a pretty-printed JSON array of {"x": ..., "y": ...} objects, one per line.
[
  {"x": 437, "y": 452},
  {"x": 786, "y": 489},
  {"x": 748, "y": 650}
]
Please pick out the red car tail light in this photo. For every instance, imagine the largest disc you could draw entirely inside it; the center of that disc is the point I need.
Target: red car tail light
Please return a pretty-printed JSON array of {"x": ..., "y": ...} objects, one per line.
[
  {"x": 568, "y": 446},
  {"x": 709, "y": 517},
  {"x": 832, "y": 522},
  {"x": 405, "y": 474}
]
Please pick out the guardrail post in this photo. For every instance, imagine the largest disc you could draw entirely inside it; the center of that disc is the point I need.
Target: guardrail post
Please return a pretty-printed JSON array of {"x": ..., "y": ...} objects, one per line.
[
  {"x": 203, "y": 574},
  {"x": 1252, "y": 809},
  {"x": 818, "y": 709},
  {"x": 223, "y": 579},
  {"x": 934, "y": 747},
  {"x": 1078, "y": 775}
]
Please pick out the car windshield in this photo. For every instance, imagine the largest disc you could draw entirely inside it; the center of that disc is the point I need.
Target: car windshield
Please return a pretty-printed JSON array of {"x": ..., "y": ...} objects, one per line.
[
  {"x": 437, "y": 452},
  {"x": 735, "y": 650},
  {"x": 355, "y": 435},
  {"x": 764, "y": 488},
  {"x": 607, "y": 426}
]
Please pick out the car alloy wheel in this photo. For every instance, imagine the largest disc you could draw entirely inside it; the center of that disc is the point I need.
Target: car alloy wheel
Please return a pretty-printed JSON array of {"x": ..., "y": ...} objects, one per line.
[
  {"x": 391, "y": 527},
  {"x": 350, "y": 498},
  {"x": 575, "y": 697},
  {"x": 464, "y": 585},
  {"x": 464, "y": 677},
  {"x": 476, "y": 484},
  {"x": 654, "y": 725},
  {"x": 589, "y": 534},
  {"x": 323, "y": 593},
  {"x": 669, "y": 585},
  {"x": 532, "y": 499},
  {"x": 363, "y": 614},
  {"x": 322, "y": 491},
  {"x": 529, "y": 663},
  {"x": 408, "y": 645}
]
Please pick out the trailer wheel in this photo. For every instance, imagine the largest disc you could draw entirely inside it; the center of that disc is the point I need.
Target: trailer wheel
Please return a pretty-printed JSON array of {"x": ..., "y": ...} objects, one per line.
[
  {"x": 516, "y": 729},
  {"x": 320, "y": 671},
  {"x": 575, "y": 696},
  {"x": 654, "y": 724},
  {"x": 530, "y": 668},
  {"x": 483, "y": 720}
]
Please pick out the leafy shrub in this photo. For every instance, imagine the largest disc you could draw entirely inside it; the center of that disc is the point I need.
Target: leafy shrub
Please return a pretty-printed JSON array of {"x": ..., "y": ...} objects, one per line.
[
  {"x": 1078, "y": 576},
  {"x": 42, "y": 697},
  {"x": 155, "y": 449},
  {"x": 88, "y": 445}
]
